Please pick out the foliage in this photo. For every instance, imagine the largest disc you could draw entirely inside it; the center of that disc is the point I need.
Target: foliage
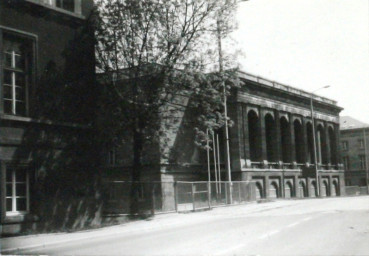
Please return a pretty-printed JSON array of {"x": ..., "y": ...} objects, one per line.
[{"x": 159, "y": 57}]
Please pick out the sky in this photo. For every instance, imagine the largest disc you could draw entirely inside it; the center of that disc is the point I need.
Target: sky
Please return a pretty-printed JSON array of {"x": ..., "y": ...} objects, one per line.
[{"x": 308, "y": 44}]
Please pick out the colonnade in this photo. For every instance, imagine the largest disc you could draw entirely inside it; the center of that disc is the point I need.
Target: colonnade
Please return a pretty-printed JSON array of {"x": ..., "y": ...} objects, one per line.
[{"x": 272, "y": 137}]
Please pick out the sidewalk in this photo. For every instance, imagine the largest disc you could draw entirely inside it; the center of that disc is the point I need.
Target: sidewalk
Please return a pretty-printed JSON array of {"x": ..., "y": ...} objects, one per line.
[{"x": 15, "y": 244}]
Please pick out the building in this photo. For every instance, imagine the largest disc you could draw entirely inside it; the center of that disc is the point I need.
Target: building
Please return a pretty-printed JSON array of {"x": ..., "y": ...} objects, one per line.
[
  {"x": 271, "y": 144},
  {"x": 47, "y": 64},
  {"x": 354, "y": 150},
  {"x": 272, "y": 141}
]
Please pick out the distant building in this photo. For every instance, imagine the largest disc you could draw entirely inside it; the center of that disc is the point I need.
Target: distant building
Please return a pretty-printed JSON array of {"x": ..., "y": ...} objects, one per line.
[
  {"x": 43, "y": 80},
  {"x": 355, "y": 150}
]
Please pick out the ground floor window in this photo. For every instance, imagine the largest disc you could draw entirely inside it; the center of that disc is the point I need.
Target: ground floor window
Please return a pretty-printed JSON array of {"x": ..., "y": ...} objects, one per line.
[{"x": 17, "y": 190}]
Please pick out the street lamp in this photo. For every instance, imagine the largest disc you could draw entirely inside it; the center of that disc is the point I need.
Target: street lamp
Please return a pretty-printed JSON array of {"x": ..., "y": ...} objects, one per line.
[
  {"x": 314, "y": 140},
  {"x": 366, "y": 162}
]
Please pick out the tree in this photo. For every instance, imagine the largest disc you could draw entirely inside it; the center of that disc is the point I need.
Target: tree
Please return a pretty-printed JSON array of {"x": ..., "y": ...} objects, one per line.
[{"x": 157, "y": 57}]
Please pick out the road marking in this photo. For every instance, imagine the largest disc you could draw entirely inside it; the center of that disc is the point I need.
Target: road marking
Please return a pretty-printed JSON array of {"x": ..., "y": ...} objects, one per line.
[
  {"x": 269, "y": 234},
  {"x": 306, "y": 219},
  {"x": 293, "y": 224}
]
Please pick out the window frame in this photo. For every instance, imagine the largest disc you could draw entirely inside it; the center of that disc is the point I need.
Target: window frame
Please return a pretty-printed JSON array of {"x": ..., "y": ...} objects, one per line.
[
  {"x": 14, "y": 168},
  {"x": 52, "y": 4},
  {"x": 362, "y": 160},
  {"x": 344, "y": 145},
  {"x": 361, "y": 143},
  {"x": 346, "y": 162},
  {"x": 32, "y": 39}
]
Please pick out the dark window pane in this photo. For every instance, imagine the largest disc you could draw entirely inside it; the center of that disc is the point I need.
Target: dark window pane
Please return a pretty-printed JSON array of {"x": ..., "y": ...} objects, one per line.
[
  {"x": 20, "y": 175},
  {"x": 8, "y": 77},
  {"x": 20, "y": 189},
  {"x": 19, "y": 62},
  {"x": 8, "y": 92},
  {"x": 68, "y": 5},
  {"x": 9, "y": 191},
  {"x": 9, "y": 204},
  {"x": 8, "y": 174},
  {"x": 20, "y": 108},
  {"x": 8, "y": 107},
  {"x": 19, "y": 79},
  {"x": 8, "y": 59},
  {"x": 21, "y": 204},
  {"x": 20, "y": 94}
]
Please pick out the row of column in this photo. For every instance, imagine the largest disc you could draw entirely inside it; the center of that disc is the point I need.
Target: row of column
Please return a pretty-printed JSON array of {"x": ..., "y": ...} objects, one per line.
[{"x": 274, "y": 136}]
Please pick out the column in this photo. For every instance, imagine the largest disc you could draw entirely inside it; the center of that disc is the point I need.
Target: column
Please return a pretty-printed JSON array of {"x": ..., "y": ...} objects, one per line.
[
  {"x": 278, "y": 140},
  {"x": 266, "y": 187},
  {"x": 246, "y": 141},
  {"x": 292, "y": 140},
  {"x": 263, "y": 136},
  {"x": 327, "y": 144},
  {"x": 338, "y": 150},
  {"x": 305, "y": 140},
  {"x": 296, "y": 187},
  {"x": 236, "y": 136}
]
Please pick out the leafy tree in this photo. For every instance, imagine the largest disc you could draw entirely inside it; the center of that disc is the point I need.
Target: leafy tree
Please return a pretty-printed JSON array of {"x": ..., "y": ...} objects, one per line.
[{"x": 157, "y": 58}]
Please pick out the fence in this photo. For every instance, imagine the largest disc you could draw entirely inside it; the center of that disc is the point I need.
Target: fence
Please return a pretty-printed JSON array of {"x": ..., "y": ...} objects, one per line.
[
  {"x": 356, "y": 190},
  {"x": 191, "y": 196},
  {"x": 163, "y": 197}
]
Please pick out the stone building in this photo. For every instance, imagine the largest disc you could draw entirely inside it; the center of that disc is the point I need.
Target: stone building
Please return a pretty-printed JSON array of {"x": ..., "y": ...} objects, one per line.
[
  {"x": 46, "y": 66},
  {"x": 354, "y": 150},
  {"x": 272, "y": 141}
]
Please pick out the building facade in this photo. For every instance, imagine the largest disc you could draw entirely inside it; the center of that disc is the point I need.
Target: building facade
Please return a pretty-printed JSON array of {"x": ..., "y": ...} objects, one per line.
[
  {"x": 354, "y": 150},
  {"x": 272, "y": 141},
  {"x": 44, "y": 73}
]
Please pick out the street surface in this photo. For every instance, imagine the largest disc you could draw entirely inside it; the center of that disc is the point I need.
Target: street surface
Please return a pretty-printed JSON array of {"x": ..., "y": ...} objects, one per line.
[{"x": 330, "y": 226}]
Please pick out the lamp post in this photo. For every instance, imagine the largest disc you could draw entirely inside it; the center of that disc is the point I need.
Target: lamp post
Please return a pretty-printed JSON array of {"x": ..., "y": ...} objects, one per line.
[
  {"x": 314, "y": 140},
  {"x": 366, "y": 161},
  {"x": 228, "y": 161}
]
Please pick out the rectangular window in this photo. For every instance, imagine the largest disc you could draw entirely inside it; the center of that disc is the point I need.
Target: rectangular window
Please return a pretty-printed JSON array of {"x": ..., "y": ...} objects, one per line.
[
  {"x": 65, "y": 4},
  {"x": 361, "y": 144},
  {"x": 362, "y": 162},
  {"x": 17, "y": 190},
  {"x": 17, "y": 73},
  {"x": 346, "y": 163},
  {"x": 344, "y": 145}
]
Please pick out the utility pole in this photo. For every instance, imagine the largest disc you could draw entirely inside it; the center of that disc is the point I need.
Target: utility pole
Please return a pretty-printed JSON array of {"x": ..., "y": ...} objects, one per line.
[
  {"x": 315, "y": 155},
  {"x": 228, "y": 161}
]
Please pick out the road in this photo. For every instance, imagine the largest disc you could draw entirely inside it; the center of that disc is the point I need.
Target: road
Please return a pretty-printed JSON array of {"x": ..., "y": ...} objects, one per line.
[{"x": 330, "y": 226}]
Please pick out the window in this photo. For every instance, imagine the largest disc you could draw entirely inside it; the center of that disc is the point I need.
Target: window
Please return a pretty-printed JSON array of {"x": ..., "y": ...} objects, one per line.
[
  {"x": 361, "y": 144},
  {"x": 344, "y": 145},
  {"x": 16, "y": 58},
  {"x": 68, "y": 5},
  {"x": 362, "y": 162},
  {"x": 17, "y": 190},
  {"x": 346, "y": 162},
  {"x": 65, "y": 4}
]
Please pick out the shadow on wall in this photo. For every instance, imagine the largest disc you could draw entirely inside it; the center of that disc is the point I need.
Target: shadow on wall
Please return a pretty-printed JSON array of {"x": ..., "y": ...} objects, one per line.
[{"x": 63, "y": 159}]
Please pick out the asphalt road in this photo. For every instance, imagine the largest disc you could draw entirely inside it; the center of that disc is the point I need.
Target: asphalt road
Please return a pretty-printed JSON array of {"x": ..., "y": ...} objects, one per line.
[{"x": 331, "y": 226}]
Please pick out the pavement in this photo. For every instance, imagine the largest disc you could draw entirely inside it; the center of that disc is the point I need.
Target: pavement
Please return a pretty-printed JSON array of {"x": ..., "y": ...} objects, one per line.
[
  {"x": 330, "y": 226},
  {"x": 21, "y": 243}
]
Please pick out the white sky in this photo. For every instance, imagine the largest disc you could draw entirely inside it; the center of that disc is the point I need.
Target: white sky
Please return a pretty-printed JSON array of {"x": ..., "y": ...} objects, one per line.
[{"x": 308, "y": 44}]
